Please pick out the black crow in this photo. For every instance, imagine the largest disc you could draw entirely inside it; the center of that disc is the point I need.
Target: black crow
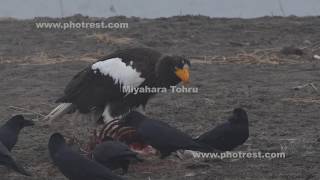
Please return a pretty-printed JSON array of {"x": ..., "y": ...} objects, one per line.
[
  {"x": 160, "y": 135},
  {"x": 10, "y": 130},
  {"x": 227, "y": 136},
  {"x": 8, "y": 138},
  {"x": 7, "y": 160},
  {"x": 73, "y": 165},
  {"x": 113, "y": 85},
  {"x": 114, "y": 155}
]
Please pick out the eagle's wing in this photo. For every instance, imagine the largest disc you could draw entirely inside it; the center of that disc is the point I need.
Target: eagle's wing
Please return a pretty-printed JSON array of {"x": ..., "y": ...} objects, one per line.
[{"x": 102, "y": 81}]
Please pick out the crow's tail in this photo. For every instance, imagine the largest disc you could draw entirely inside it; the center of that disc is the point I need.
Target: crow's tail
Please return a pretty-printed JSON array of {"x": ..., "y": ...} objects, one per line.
[{"x": 17, "y": 167}]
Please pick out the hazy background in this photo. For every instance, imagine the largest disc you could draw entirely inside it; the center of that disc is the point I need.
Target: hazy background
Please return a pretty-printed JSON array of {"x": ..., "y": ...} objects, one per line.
[{"x": 156, "y": 8}]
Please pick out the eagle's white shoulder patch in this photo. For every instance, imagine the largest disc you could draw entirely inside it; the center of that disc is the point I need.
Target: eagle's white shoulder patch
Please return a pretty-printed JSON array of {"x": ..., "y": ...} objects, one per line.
[{"x": 119, "y": 71}]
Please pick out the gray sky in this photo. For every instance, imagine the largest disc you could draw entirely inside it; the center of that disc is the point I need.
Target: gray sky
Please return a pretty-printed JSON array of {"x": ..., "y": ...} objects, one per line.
[{"x": 158, "y": 8}]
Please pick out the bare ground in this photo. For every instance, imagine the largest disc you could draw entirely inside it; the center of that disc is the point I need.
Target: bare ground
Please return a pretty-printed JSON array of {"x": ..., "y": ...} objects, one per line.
[{"x": 236, "y": 63}]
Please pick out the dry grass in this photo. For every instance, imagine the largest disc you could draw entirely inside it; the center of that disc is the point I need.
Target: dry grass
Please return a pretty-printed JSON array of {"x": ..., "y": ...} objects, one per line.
[
  {"x": 44, "y": 59},
  {"x": 108, "y": 39},
  {"x": 8, "y": 19},
  {"x": 307, "y": 100},
  {"x": 258, "y": 56}
]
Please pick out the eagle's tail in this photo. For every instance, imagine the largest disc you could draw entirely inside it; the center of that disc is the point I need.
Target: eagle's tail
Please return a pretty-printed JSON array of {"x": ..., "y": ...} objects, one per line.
[{"x": 59, "y": 111}]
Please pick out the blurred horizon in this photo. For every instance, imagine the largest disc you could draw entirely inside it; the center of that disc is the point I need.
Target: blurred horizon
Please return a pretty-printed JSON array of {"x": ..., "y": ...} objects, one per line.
[{"x": 154, "y": 9}]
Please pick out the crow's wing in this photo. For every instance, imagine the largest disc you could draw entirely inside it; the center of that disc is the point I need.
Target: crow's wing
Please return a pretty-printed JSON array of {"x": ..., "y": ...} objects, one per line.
[
  {"x": 7, "y": 160},
  {"x": 217, "y": 134},
  {"x": 160, "y": 133},
  {"x": 76, "y": 167},
  {"x": 112, "y": 150}
]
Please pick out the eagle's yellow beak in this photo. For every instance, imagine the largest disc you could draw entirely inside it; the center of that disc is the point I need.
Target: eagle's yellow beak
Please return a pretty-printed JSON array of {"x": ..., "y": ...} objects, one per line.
[{"x": 183, "y": 74}]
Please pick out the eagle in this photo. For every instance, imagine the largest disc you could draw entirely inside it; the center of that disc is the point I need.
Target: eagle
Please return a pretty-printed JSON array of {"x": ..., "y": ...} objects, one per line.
[{"x": 102, "y": 87}]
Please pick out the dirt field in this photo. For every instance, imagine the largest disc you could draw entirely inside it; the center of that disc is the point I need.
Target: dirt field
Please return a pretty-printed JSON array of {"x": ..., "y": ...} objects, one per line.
[{"x": 235, "y": 63}]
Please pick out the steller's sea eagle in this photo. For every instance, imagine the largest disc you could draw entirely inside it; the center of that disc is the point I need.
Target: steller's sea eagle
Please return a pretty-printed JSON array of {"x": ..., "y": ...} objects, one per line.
[{"x": 99, "y": 88}]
